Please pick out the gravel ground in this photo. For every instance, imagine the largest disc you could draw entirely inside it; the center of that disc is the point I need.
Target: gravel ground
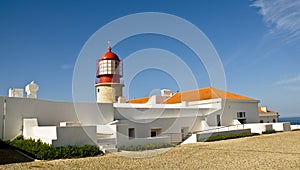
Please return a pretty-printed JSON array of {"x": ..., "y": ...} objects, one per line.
[{"x": 273, "y": 151}]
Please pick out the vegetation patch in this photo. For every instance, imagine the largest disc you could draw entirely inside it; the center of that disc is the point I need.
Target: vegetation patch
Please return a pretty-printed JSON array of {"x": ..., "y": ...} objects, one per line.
[
  {"x": 269, "y": 131},
  {"x": 146, "y": 147},
  {"x": 230, "y": 136},
  {"x": 43, "y": 151}
]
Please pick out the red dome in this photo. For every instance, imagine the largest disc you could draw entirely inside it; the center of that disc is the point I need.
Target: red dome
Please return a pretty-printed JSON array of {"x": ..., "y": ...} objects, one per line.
[{"x": 109, "y": 55}]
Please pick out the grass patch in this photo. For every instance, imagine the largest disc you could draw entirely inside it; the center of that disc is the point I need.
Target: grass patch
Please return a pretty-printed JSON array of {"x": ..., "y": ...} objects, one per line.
[
  {"x": 230, "y": 136},
  {"x": 269, "y": 131},
  {"x": 146, "y": 147},
  {"x": 40, "y": 150}
]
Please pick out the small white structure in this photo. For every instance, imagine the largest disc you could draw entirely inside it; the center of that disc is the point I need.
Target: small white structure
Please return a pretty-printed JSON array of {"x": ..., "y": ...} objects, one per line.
[
  {"x": 31, "y": 90},
  {"x": 15, "y": 92},
  {"x": 266, "y": 115},
  {"x": 32, "y": 130}
]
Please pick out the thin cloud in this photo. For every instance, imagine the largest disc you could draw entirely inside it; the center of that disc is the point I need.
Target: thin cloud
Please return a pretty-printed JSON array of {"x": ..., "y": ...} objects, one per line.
[
  {"x": 289, "y": 81},
  {"x": 293, "y": 88},
  {"x": 66, "y": 66},
  {"x": 281, "y": 16}
]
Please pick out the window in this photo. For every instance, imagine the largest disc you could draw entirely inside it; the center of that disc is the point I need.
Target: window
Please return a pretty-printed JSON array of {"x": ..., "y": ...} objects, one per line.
[
  {"x": 108, "y": 67},
  {"x": 241, "y": 117},
  {"x": 241, "y": 114},
  {"x": 155, "y": 132},
  {"x": 131, "y": 133},
  {"x": 274, "y": 120}
]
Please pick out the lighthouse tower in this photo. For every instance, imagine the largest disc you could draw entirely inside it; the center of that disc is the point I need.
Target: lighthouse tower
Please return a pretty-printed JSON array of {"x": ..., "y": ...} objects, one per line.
[{"x": 109, "y": 71}]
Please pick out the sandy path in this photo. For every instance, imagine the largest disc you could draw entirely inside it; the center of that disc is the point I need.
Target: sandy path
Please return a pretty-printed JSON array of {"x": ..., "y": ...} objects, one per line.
[{"x": 274, "y": 151}]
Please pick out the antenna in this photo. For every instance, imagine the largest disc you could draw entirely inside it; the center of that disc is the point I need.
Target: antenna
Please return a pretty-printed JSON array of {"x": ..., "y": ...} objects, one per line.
[{"x": 108, "y": 45}]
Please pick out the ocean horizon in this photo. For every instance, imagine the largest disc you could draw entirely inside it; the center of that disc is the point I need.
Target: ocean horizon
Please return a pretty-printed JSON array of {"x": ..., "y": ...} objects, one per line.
[{"x": 293, "y": 120}]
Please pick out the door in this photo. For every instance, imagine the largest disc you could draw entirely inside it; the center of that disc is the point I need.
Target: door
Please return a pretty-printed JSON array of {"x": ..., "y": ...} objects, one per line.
[{"x": 218, "y": 120}]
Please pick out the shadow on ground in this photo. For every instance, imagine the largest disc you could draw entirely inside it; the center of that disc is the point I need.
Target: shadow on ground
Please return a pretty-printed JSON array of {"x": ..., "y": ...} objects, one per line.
[{"x": 10, "y": 155}]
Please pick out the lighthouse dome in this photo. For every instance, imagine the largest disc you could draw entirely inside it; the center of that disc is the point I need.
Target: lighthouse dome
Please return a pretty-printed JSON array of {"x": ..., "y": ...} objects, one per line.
[{"x": 109, "y": 55}]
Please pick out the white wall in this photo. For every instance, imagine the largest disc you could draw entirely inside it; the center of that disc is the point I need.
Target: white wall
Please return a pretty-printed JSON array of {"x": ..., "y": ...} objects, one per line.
[
  {"x": 233, "y": 106},
  {"x": 1, "y": 116},
  {"x": 169, "y": 127},
  {"x": 75, "y": 136},
  {"x": 295, "y": 127},
  {"x": 281, "y": 126},
  {"x": 268, "y": 118},
  {"x": 110, "y": 130},
  {"x": 258, "y": 127},
  {"x": 169, "y": 118},
  {"x": 144, "y": 141},
  {"x": 191, "y": 139},
  {"x": 51, "y": 113}
]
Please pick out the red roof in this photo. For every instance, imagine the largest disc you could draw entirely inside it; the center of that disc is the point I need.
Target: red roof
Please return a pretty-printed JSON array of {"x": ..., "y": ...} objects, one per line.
[
  {"x": 268, "y": 111},
  {"x": 109, "y": 55},
  {"x": 203, "y": 94},
  {"x": 139, "y": 100},
  {"x": 196, "y": 95}
]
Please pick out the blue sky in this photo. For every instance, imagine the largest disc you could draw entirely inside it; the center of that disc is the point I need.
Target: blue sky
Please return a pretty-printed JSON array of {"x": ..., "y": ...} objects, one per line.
[{"x": 257, "y": 41}]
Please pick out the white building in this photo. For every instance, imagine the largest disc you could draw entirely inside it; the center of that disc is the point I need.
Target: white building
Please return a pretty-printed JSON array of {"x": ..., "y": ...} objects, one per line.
[
  {"x": 266, "y": 115},
  {"x": 113, "y": 121}
]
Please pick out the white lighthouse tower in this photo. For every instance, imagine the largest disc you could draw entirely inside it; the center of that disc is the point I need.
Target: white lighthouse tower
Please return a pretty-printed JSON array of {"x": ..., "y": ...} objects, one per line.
[{"x": 109, "y": 71}]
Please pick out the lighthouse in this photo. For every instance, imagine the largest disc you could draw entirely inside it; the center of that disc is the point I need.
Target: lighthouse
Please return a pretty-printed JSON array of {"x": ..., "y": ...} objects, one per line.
[{"x": 109, "y": 71}]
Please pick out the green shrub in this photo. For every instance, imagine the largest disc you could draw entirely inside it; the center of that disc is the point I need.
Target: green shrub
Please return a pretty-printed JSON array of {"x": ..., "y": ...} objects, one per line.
[
  {"x": 229, "y": 136},
  {"x": 146, "y": 147},
  {"x": 43, "y": 151},
  {"x": 269, "y": 131}
]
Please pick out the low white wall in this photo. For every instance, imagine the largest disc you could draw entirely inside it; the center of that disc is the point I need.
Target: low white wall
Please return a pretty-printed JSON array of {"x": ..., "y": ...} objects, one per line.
[
  {"x": 191, "y": 139},
  {"x": 107, "y": 129},
  {"x": 45, "y": 132},
  {"x": 28, "y": 125},
  {"x": 281, "y": 126},
  {"x": 143, "y": 141},
  {"x": 203, "y": 136},
  {"x": 211, "y": 129},
  {"x": 81, "y": 135},
  {"x": 258, "y": 127},
  {"x": 294, "y": 127}
]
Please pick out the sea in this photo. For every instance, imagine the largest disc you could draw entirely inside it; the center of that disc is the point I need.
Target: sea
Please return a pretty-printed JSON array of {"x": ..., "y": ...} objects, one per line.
[{"x": 293, "y": 120}]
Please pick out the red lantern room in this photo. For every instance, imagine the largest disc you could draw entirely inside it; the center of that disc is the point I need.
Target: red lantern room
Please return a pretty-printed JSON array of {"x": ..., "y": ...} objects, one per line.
[{"x": 109, "y": 68}]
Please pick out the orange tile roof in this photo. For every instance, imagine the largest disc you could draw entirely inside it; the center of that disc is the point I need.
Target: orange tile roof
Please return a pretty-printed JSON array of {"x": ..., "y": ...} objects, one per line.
[
  {"x": 203, "y": 94},
  {"x": 195, "y": 95},
  {"x": 139, "y": 100},
  {"x": 268, "y": 111}
]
